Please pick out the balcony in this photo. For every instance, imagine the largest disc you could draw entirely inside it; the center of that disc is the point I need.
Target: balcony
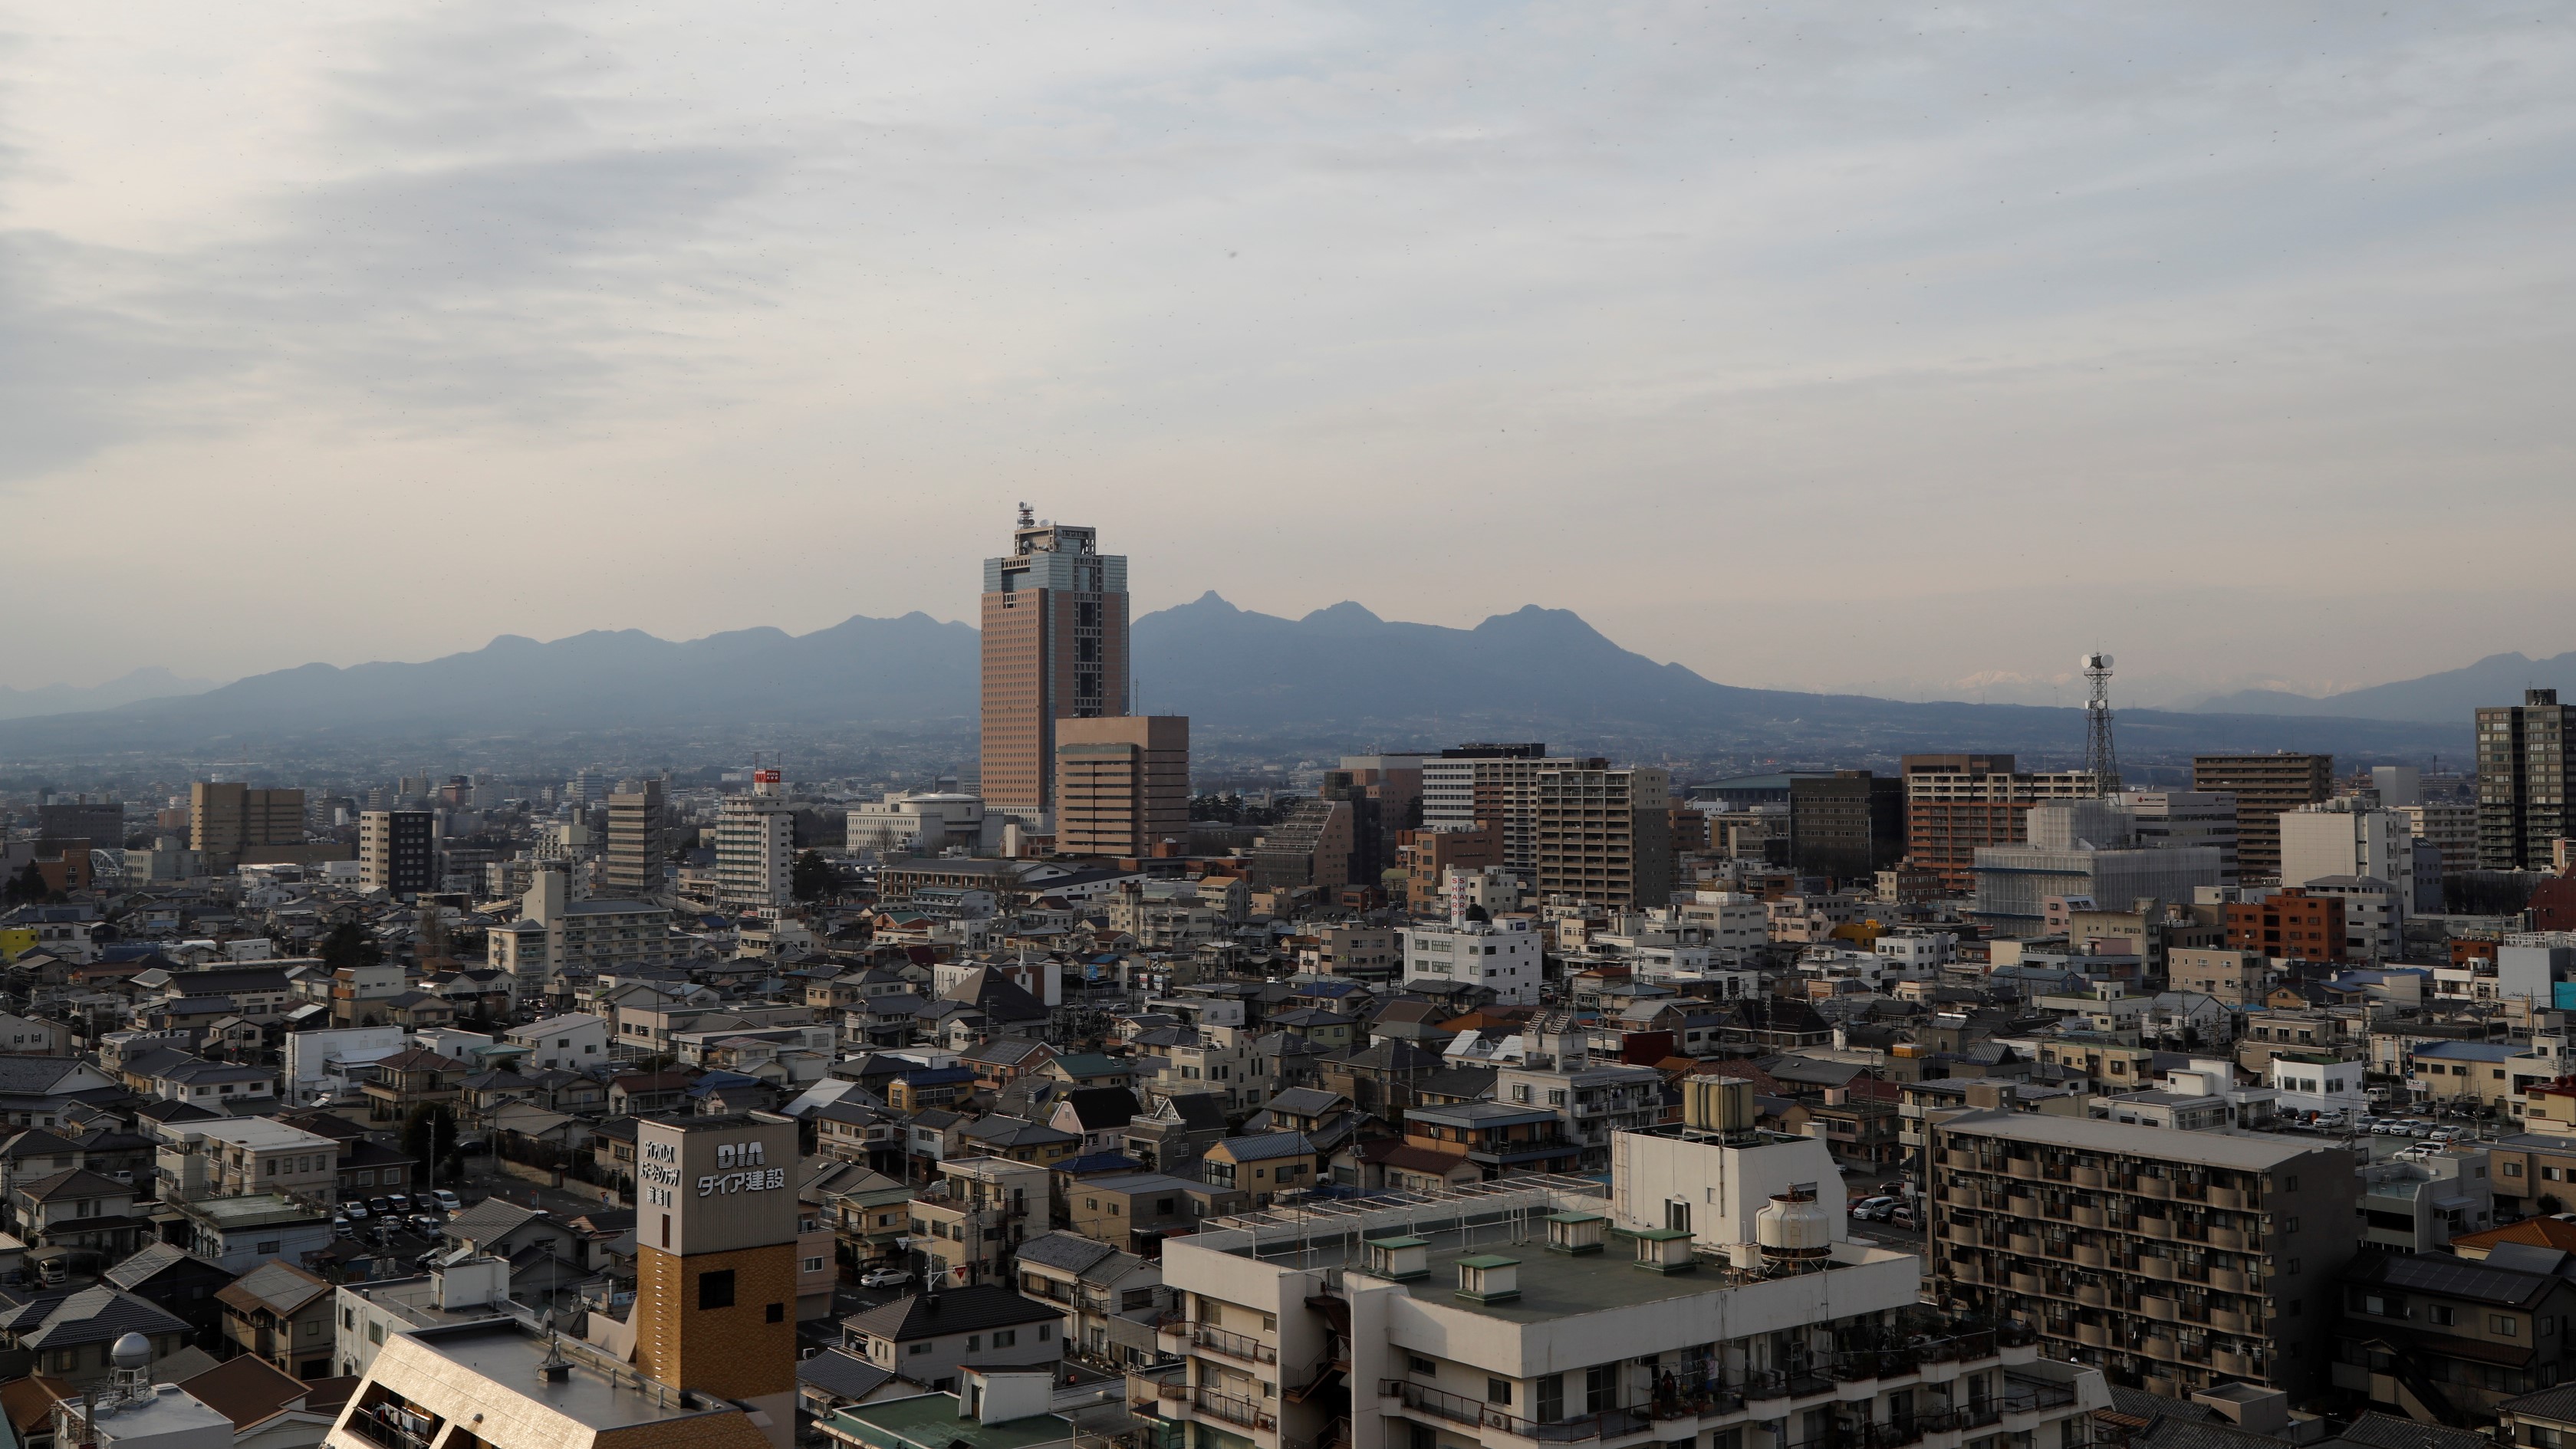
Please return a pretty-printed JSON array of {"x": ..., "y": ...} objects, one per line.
[
  {"x": 2240, "y": 1365},
  {"x": 2156, "y": 1187},
  {"x": 1245, "y": 1413},
  {"x": 2024, "y": 1244},
  {"x": 2163, "y": 1310},
  {"x": 2086, "y": 1255},
  {"x": 1459, "y": 1409},
  {"x": 2086, "y": 1215},
  {"x": 1233, "y": 1345},
  {"x": 2025, "y": 1168},
  {"x": 2231, "y": 1198},
  {"x": 2090, "y": 1177},
  {"x": 2027, "y": 1283},
  {"x": 2228, "y": 1238},
  {"x": 2228, "y": 1320},
  {"x": 2160, "y": 1269},
  {"x": 2093, "y": 1335},
  {"x": 2228, "y": 1280},
  {"x": 2092, "y": 1295}
]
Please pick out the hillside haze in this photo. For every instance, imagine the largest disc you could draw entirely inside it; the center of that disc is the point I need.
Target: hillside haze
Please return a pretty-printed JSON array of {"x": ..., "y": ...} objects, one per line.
[{"x": 1339, "y": 673}]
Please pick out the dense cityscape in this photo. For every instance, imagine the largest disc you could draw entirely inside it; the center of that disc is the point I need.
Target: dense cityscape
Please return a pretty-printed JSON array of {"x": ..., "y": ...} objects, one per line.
[{"x": 1471, "y": 1092}]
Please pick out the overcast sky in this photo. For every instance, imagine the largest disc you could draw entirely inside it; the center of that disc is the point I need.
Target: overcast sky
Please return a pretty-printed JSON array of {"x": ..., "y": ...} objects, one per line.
[{"x": 1905, "y": 348}]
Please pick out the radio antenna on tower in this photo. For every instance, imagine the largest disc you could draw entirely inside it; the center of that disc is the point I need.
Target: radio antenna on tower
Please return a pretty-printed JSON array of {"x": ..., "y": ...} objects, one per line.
[{"x": 2099, "y": 757}]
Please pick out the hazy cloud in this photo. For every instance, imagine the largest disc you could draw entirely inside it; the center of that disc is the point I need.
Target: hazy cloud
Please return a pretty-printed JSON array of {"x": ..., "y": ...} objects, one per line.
[{"x": 1913, "y": 349}]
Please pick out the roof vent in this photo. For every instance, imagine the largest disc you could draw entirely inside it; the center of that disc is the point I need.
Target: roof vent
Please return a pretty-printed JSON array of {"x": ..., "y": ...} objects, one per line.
[
  {"x": 1489, "y": 1279},
  {"x": 1399, "y": 1260}
]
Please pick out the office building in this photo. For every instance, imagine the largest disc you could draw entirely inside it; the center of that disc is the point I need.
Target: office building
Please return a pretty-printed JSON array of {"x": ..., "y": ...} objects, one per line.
[
  {"x": 2173, "y": 1261},
  {"x": 923, "y": 823},
  {"x": 2266, "y": 787},
  {"x": 1122, "y": 785},
  {"x": 2173, "y": 819},
  {"x": 232, "y": 824},
  {"x": 638, "y": 842},
  {"x": 1531, "y": 1309},
  {"x": 101, "y": 823},
  {"x": 756, "y": 846},
  {"x": 1957, "y": 804},
  {"x": 1605, "y": 836},
  {"x": 1496, "y": 784},
  {"x": 2082, "y": 852},
  {"x": 1429, "y": 855},
  {"x": 1055, "y": 647},
  {"x": 1849, "y": 825},
  {"x": 398, "y": 851},
  {"x": 2526, "y": 761}
]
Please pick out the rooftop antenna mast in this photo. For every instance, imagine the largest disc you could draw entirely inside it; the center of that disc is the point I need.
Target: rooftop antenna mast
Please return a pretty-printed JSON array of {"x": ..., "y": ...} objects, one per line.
[
  {"x": 2100, "y": 759},
  {"x": 1028, "y": 518}
]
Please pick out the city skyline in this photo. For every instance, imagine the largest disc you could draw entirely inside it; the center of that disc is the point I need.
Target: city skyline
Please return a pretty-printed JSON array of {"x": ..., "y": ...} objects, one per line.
[{"x": 2014, "y": 315}]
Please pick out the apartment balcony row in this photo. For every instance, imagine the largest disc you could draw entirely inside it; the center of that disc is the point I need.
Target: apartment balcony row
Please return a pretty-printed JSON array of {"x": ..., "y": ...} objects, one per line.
[
  {"x": 2140, "y": 1282},
  {"x": 2229, "y": 1236},
  {"x": 1964, "y": 1246},
  {"x": 2128, "y": 1178}
]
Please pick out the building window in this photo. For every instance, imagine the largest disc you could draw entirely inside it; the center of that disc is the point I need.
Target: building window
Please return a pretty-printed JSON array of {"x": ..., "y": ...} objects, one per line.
[
  {"x": 778, "y": 1313},
  {"x": 1004, "y": 1338},
  {"x": 1415, "y": 1363},
  {"x": 2504, "y": 1326},
  {"x": 1498, "y": 1391},
  {"x": 715, "y": 1290}
]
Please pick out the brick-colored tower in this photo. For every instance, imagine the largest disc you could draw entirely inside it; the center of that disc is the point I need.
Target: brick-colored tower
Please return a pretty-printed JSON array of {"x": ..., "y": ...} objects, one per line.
[
  {"x": 1055, "y": 647},
  {"x": 715, "y": 1261}
]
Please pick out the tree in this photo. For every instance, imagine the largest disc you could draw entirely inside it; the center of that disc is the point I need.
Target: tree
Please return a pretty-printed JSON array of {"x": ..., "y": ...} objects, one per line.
[
  {"x": 812, "y": 878},
  {"x": 434, "y": 1122},
  {"x": 350, "y": 945},
  {"x": 26, "y": 887}
]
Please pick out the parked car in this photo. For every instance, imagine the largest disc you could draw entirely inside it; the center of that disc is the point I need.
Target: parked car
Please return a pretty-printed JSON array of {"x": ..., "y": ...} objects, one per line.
[
  {"x": 401, "y": 1203},
  {"x": 354, "y": 1211},
  {"x": 342, "y": 1228},
  {"x": 446, "y": 1200},
  {"x": 1901, "y": 1217},
  {"x": 380, "y": 1207},
  {"x": 884, "y": 1278},
  {"x": 1870, "y": 1209}
]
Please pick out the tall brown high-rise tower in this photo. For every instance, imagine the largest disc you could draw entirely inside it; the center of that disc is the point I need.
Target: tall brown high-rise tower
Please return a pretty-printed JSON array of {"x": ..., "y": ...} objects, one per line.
[{"x": 1055, "y": 647}]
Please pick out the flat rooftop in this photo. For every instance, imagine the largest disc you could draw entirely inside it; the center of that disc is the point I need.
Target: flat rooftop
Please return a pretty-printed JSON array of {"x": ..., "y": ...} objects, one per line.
[
  {"x": 1479, "y": 1221},
  {"x": 598, "y": 1393},
  {"x": 2245, "y": 1151},
  {"x": 930, "y": 1421}
]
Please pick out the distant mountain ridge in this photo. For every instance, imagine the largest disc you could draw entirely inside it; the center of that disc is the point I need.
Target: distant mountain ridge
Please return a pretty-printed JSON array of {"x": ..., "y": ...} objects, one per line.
[
  {"x": 150, "y": 682},
  {"x": 1337, "y": 674},
  {"x": 2450, "y": 697}
]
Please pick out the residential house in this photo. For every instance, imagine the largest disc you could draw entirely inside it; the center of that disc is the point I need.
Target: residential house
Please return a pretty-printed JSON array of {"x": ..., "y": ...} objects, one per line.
[
  {"x": 282, "y": 1315},
  {"x": 931, "y": 1338},
  {"x": 1098, "y": 1115},
  {"x": 575, "y": 1042},
  {"x": 1109, "y": 1297},
  {"x": 66, "y": 1334},
  {"x": 1263, "y": 1166},
  {"x": 412, "y": 1079},
  {"x": 87, "y": 1220}
]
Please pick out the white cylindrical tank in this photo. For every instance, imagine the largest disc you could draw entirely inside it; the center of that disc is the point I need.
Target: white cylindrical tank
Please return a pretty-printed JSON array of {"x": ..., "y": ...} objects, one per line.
[{"x": 1793, "y": 1227}]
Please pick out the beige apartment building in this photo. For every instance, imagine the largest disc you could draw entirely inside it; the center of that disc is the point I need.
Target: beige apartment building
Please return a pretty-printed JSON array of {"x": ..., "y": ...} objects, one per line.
[
  {"x": 1122, "y": 784},
  {"x": 1605, "y": 836},
  {"x": 2171, "y": 1260}
]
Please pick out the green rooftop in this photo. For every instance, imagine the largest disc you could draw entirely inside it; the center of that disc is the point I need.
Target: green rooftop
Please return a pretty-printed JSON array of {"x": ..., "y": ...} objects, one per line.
[{"x": 930, "y": 1421}]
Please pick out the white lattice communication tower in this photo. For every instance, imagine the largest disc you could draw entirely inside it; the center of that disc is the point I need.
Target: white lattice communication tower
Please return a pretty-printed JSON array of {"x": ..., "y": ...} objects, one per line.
[{"x": 2099, "y": 757}]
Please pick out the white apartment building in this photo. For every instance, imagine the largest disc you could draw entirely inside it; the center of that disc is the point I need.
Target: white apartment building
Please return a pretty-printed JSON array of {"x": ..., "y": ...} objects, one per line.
[
  {"x": 1504, "y": 955},
  {"x": 756, "y": 846},
  {"x": 1592, "y": 1102},
  {"x": 2335, "y": 838},
  {"x": 572, "y": 1043},
  {"x": 2183, "y": 819},
  {"x": 1730, "y": 918},
  {"x": 1535, "y": 1311},
  {"x": 558, "y": 936},
  {"x": 1918, "y": 954}
]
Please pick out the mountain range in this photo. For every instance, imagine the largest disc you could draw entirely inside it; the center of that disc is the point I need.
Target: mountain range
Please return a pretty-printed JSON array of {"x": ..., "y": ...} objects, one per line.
[
  {"x": 153, "y": 682},
  {"x": 1338, "y": 675},
  {"x": 2450, "y": 697}
]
